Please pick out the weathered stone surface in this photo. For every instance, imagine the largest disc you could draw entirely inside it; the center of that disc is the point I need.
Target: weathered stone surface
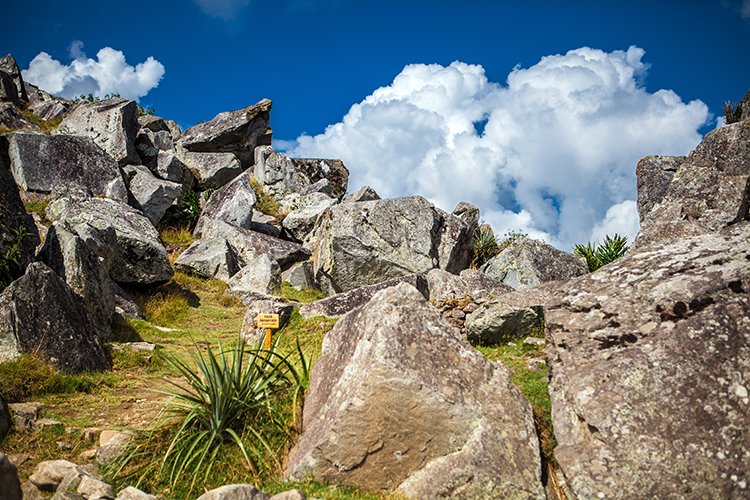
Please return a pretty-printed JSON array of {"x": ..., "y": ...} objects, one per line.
[
  {"x": 259, "y": 275},
  {"x": 477, "y": 286},
  {"x": 154, "y": 195},
  {"x": 49, "y": 474},
  {"x": 16, "y": 225},
  {"x": 45, "y": 105},
  {"x": 92, "y": 488},
  {"x": 10, "y": 485},
  {"x": 527, "y": 262},
  {"x": 233, "y": 203},
  {"x": 290, "y": 495},
  {"x": 267, "y": 305},
  {"x": 11, "y": 118},
  {"x": 342, "y": 303},
  {"x": 133, "y": 493},
  {"x": 8, "y": 92},
  {"x": 251, "y": 244},
  {"x": 282, "y": 175},
  {"x": 365, "y": 193},
  {"x": 303, "y": 211},
  {"x": 111, "y": 444},
  {"x": 212, "y": 170},
  {"x": 358, "y": 244},
  {"x": 210, "y": 258},
  {"x": 468, "y": 213},
  {"x": 234, "y": 492},
  {"x": 9, "y": 66},
  {"x": 650, "y": 363},
  {"x": 266, "y": 224},
  {"x": 63, "y": 165},
  {"x": 125, "y": 306},
  {"x": 82, "y": 256},
  {"x": 237, "y": 132},
  {"x": 140, "y": 258},
  {"x": 112, "y": 124},
  {"x": 710, "y": 189},
  {"x": 25, "y": 415},
  {"x": 496, "y": 323},
  {"x": 166, "y": 165},
  {"x": 301, "y": 276},
  {"x": 654, "y": 175},
  {"x": 40, "y": 313},
  {"x": 399, "y": 400}
]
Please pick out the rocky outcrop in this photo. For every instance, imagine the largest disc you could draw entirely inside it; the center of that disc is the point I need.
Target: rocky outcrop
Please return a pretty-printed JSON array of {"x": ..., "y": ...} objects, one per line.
[
  {"x": 18, "y": 234},
  {"x": 282, "y": 175},
  {"x": 358, "y": 244},
  {"x": 112, "y": 124},
  {"x": 212, "y": 170},
  {"x": 526, "y": 263},
  {"x": 139, "y": 256},
  {"x": 341, "y": 303},
  {"x": 10, "y": 485},
  {"x": 259, "y": 275},
  {"x": 233, "y": 203},
  {"x": 11, "y": 118},
  {"x": 154, "y": 195},
  {"x": 39, "y": 313},
  {"x": 303, "y": 211},
  {"x": 399, "y": 400},
  {"x": 654, "y": 175},
  {"x": 65, "y": 165},
  {"x": 8, "y": 92},
  {"x": 300, "y": 276},
  {"x": 45, "y": 105},
  {"x": 210, "y": 258},
  {"x": 237, "y": 132},
  {"x": 9, "y": 66},
  {"x": 365, "y": 193}
]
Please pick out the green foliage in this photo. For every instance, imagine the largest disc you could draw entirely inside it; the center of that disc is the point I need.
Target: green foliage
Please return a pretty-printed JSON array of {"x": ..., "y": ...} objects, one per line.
[
  {"x": 733, "y": 112},
  {"x": 602, "y": 254},
  {"x": 186, "y": 213},
  {"x": 95, "y": 98},
  {"x": 511, "y": 237},
  {"x": 228, "y": 407},
  {"x": 149, "y": 111},
  {"x": 265, "y": 202},
  {"x": 305, "y": 296},
  {"x": 176, "y": 238},
  {"x": 46, "y": 126},
  {"x": 485, "y": 246},
  {"x": 11, "y": 253},
  {"x": 29, "y": 376}
]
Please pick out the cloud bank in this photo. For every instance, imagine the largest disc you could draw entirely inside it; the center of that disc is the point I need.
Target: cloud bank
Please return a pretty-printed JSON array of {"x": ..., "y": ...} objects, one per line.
[
  {"x": 551, "y": 153},
  {"x": 109, "y": 73}
]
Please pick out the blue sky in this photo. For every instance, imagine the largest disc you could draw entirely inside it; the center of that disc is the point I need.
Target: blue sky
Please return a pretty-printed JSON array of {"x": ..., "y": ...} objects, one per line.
[{"x": 316, "y": 60}]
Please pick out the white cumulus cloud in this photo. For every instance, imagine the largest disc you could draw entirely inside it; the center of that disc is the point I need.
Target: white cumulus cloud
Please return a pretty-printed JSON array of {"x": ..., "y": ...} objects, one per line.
[
  {"x": 552, "y": 152},
  {"x": 109, "y": 73}
]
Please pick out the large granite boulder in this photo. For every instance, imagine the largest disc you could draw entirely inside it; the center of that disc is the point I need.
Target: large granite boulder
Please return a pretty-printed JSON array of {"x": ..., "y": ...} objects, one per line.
[
  {"x": 64, "y": 165},
  {"x": 261, "y": 275},
  {"x": 303, "y": 211},
  {"x": 232, "y": 203},
  {"x": 154, "y": 195},
  {"x": 470, "y": 283},
  {"x": 112, "y": 124},
  {"x": 494, "y": 323},
  {"x": 398, "y": 400},
  {"x": 39, "y": 313},
  {"x": 365, "y": 193},
  {"x": 45, "y": 105},
  {"x": 654, "y": 174},
  {"x": 11, "y": 118},
  {"x": 82, "y": 256},
  {"x": 10, "y": 484},
  {"x": 211, "y": 170},
  {"x": 527, "y": 262},
  {"x": 139, "y": 256},
  {"x": 237, "y": 132},
  {"x": 251, "y": 244},
  {"x": 9, "y": 66},
  {"x": 358, "y": 244},
  {"x": 210, "y": 258},
  {"x": 282, "y": 175},
  {"x": 18, "y": 234},
  {"x": 8, "y": 92}
]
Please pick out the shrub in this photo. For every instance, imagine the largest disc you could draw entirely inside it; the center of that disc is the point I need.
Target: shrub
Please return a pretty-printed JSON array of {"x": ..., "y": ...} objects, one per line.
[
  {"x": 485, "y": 246},
  {"x": 602, "y": 254},
  {"x": 265, "y": 202}
]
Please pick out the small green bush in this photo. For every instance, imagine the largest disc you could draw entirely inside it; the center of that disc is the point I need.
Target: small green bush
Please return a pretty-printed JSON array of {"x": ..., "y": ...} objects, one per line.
[
  {"x": 600, "y": 255},
  {"x": 266, "y": 203},
  {"x": 485, "y": 246},
  {"x": 11, "y": 253}
]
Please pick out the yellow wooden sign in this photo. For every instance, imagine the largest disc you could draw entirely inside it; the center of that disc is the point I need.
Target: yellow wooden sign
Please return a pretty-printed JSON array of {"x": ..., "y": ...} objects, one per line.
[{"x": 264, "y": 320}]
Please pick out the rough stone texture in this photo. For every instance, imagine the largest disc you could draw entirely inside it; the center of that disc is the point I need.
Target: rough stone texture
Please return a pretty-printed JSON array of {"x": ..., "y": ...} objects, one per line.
[
  {"x": 365, "y": 193},
  {"x": 266, "y": 224},
  {"x": 112, "y": 124},
  {"x": 10, "y": 117},
  {"x": 8, "y": 92},
  {"x": 16, "y": 225},
  {"x": 282, "y": 175},
  {"x": 9, "y": 66},
  {"x": 251, "y": 244},
  {"x": 10, "y": 485},
  {"x": 5, "y": 419},
  {"x": 63, "y": 165},
  {"x": 125, "y": 306},
  {"x": 49, "y": 474},
  {"x": 132, "y": 493},
  {"x": 342, "y": 303},
  {"x": 212, "y": 170},
  {"x": 169, "y": 167},
  {"x": 710, "y": 189},
  {"x": 82, "y": 256},
  {"x": 233, "y": 203},
  {"x": 399, "y": 400},
  {"x": 45, "y": 105},
  {"x": 445, "y": 286},
  {"x": 290, "y": 495},
  {"x": 526, "y": 263},
  {"x": 210, "y": 258},
  {"x": 358, "y": 244},
  {"x": 304, "y": 211},
  {"x": 654, "y": 175},
  {"x": 234, "y": 492},
  {"x": 40, "y": 313},
  {"x": 259, "y": 275},
  {"x": 25, "y": 415},
  {"x": 468, "y": 213},
  {"x": 154, "y": 195},
  {"x": 111, "y": 444},
  {"x": 140, "y": 258},
  {"x": 496, "y": 323},
  {"x": 92, "y": 488},
  {"x": 301, "y": 276},
  {"x": 263, "y": 304},
  {"x": 237, "y": 132}
]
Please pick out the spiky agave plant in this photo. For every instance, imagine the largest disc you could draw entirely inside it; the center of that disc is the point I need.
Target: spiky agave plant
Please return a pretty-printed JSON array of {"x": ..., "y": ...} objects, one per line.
[
  {"x": 596, "y": 256},
  {"x": 485, "y": 246}
]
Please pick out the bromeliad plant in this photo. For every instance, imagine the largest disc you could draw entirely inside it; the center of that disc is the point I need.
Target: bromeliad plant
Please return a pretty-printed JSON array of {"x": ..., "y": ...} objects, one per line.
[
  {"x": 602, "y": 254},
  {"x": 485, "y": 246}
]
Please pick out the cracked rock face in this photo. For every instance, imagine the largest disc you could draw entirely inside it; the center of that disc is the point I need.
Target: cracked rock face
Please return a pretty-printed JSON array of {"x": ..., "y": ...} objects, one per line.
[
  {"x": 399, "y": 400},
  {"x": 358, "y": 244}
]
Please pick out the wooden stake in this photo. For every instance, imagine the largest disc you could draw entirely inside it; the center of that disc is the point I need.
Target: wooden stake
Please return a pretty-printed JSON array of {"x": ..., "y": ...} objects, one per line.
[{"x": 267, "y": 343}]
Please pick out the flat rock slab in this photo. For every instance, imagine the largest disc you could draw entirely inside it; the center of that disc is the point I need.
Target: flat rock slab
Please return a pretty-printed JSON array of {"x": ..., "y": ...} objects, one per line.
[
  {"x": 398, "y": 400},
  {"x": 209, "y": 258}
]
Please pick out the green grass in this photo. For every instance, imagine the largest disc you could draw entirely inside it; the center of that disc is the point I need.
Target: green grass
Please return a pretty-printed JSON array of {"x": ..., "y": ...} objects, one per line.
[
  {"x": 264, "y": 201},
  {"x": 177, "y": 239},
  {"x": 38, "y": 206},
  {"x": 46, "y": 126},
  {"x": 288, "y": 292}
]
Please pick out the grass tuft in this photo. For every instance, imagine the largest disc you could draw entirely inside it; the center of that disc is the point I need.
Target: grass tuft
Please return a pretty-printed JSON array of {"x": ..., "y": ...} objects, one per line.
[
  {"x": 177, "y": 239},
  {"x": 264, "y": 201},
  {"x": 291, "y": 294},
  {"x": 46, "y": 126}
]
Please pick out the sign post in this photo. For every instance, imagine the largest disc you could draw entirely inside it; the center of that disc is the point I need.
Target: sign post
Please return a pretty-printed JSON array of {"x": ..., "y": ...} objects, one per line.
[{"x": 269, "y": 322}]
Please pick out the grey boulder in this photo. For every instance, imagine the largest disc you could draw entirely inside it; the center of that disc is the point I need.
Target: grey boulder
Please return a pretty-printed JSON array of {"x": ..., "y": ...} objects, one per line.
[
  {"x": 654, "y": 174},
  {"x": 232, "y": 203},
  {"x": 154, "y": 195},
  {"x": 211, "y": 170},
  {"x": 398, "y": 400},
  {"x": 210, "y": 258},
  {"x": 301, "y": 276},
  {"x": 237, "y": 132},
  {"x": 45, "y": 105},
  {"x": 9, "y": 66},
  {"x": 140, "y": 258},
  {"x": 10, "y": 484},
  {"x": 259, "y": 275},
  {"x": 494, "y": 323},
  {"x": 303, "y": 211},
  {"x": 17, "y": 228},
  {"x": 365, "y": 193},
  {"x": 65, "y": 165},
  {"x": 40, "y": 313},
  {"x": 358, "y": 244},
  {"x": 527, "y": 262},
  {"x": 112, "y": 124},
  {"x": 234, "y": 492},
  {"x": 282, "y": 175}
]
